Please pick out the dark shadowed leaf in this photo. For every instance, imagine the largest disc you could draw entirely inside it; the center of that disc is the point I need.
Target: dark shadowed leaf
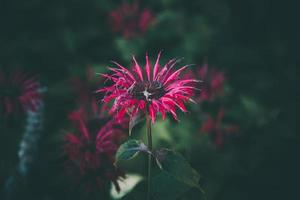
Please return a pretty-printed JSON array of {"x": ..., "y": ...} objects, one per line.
[
  {"x": 138, "y": 193},
  {"x": 176, "y": 166},
  {"x": 163, "y": 187},
  {"x": 166, "y": 187}
]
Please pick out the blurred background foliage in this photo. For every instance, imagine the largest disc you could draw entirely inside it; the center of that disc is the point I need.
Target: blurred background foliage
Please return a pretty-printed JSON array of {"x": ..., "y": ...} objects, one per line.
[{"x": 251, "y": 41}]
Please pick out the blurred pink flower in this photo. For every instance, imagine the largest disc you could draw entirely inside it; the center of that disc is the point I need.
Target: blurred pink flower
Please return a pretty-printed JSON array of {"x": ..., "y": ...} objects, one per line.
[
  {"x": 19, "y": 92},
  {"x": 217, "y": 129},
  {"x": 91, "y": 149},
  {"x": 130, "y": 19},
  {"x": 151, "y": 90},
  {"x": 213, "y": 81}
]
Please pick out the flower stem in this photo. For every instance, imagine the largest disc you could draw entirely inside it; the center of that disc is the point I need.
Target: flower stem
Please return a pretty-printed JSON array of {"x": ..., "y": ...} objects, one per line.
[{"x": 149, "y": 135}]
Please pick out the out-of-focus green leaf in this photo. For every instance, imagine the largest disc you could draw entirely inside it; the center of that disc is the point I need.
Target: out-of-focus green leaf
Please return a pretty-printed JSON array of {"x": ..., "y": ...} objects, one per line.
[
  {"x": 127, "y": 47},
  {"x": 166, "y": 187},
  {"x": 162, "y": 132},
  {"x": 253, "y": 110}
]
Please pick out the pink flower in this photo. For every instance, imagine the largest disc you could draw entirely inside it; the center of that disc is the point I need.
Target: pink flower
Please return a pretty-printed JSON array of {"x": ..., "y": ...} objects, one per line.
[
  {"x": 91, "y": 150},
  {"x": 130, "y": 20},
  {"x": 213, "y": 83},
  {"x": 18, "y": 92},
  {"x": 151, "y": 90},
  {"x": 217, "y": 129}
]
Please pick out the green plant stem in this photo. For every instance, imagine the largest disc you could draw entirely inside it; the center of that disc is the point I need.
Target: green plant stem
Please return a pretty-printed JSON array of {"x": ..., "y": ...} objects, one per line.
[{"x": 149, "y": 136}]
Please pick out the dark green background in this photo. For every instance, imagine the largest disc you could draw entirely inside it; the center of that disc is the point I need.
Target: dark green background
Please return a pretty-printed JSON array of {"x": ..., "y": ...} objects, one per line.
[{"x": 254, "y": 42}]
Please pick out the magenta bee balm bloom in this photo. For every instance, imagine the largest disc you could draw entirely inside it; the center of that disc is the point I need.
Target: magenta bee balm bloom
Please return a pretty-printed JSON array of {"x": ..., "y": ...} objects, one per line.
[
  {"x": 90, "y": 151},
  {"x": 150, "y": 90},
  {"x": 130, "y": 19},
  {"x": 217, "y": 128},
  {"x": 18, "y": 92},
  {"x": 213, "y": 83}
]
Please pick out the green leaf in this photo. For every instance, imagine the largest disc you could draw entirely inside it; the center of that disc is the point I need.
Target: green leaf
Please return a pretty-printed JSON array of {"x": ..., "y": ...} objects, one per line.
[
  {"x": 130, "y": 149},
  {"x": 177, "y": 167},
  {"x": 166, "y": 187},
  {"x": 163, "y": 187}
]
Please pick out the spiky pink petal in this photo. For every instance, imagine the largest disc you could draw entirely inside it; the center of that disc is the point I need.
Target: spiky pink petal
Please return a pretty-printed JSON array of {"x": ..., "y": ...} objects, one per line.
[
  {"x": 156, "y": 66},
  {"x": 148, "y": 68}
]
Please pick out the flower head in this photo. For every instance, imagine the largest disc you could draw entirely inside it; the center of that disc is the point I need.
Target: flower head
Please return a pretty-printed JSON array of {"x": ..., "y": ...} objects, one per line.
[
  {"x": 151, "y": 90},
  {"x": 18, "y": 92},
  {"x": 130, "y": 20},
  {"x": 213, "y": 83},
  {"x": 216, "y": 128},
  {"x": 91, "y": 149}
]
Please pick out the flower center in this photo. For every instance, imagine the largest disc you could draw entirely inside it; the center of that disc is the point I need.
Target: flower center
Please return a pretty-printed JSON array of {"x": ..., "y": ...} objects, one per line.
[{"x": 147, "y": 90}]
